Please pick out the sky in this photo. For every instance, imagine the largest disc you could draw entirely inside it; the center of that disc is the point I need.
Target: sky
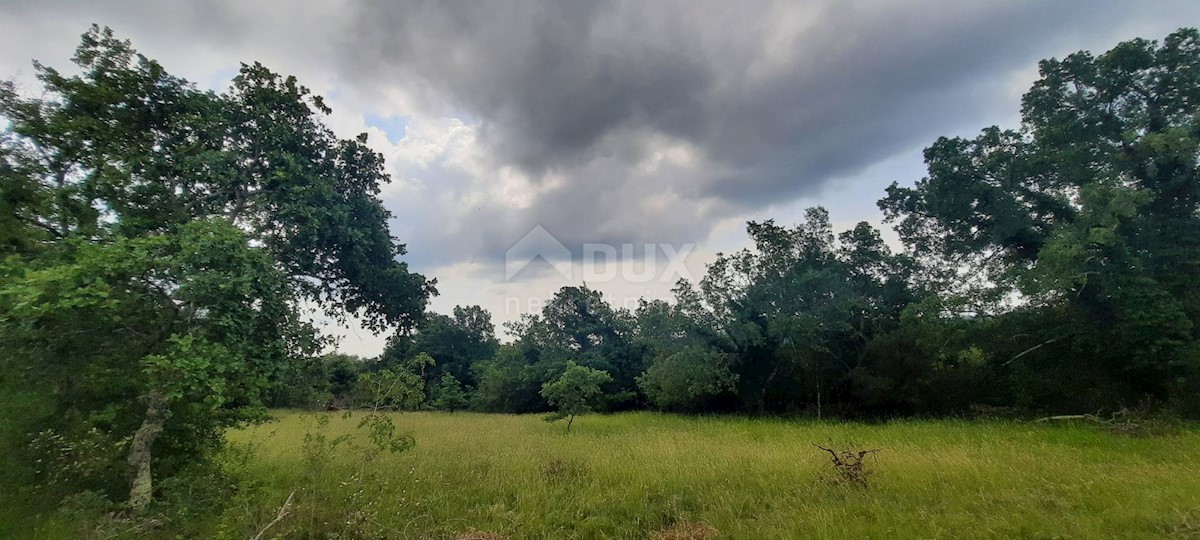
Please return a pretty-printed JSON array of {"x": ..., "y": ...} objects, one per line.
[{"x": 621, "y": 144}]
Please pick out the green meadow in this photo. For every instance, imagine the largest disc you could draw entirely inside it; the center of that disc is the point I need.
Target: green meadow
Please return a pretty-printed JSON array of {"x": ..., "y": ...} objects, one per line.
[{"x": 645, "y": 475}]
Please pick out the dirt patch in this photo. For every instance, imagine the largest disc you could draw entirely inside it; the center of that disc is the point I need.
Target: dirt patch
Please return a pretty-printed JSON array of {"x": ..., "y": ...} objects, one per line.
[{"x": 472, "y": 534}]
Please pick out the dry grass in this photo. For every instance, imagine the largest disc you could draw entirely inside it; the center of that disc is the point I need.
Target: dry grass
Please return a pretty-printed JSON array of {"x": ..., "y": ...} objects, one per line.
[{"x": 1185, "y": 526}]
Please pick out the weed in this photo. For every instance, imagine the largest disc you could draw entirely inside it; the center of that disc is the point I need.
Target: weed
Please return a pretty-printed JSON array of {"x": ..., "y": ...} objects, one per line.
[{"x": 559, "y": 469}]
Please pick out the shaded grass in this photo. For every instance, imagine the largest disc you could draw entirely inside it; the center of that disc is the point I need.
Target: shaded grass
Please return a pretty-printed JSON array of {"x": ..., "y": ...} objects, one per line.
[{"x": 635, "y": 474}]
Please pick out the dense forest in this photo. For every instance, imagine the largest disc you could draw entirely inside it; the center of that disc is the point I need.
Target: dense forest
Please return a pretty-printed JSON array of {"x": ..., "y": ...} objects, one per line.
[{"x": 160, "y": 242}]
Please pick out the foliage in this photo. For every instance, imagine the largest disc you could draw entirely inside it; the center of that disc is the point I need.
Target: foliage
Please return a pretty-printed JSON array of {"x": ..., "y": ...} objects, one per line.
[
  {"x": 1087, "y": 216},
  {"x": 577, "y": 325},
  {"x": 800, "y": 312},
  {"x": 448, "y": 395},
  {"x": 401, "y": 387},
  {"x": 210, "y": 346},
  {"x": 686, "y": 379},
  {"x": 509, "y": 382},
  {"x": 455, "y": 343},
  {"x": 329, "y": 381},
  {"x": 159, "y": 240}
]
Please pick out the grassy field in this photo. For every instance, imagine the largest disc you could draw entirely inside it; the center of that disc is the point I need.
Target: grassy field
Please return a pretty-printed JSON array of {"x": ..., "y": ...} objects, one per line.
[
  {"x": 640, "y": 475},
  {"x": 644, "y": 475}
]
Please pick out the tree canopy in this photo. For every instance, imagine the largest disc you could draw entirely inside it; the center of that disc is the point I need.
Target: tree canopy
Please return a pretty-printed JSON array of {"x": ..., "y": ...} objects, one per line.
[
  {"x": 577, "y": 391},
  {"x": 1087, "y": 214}
]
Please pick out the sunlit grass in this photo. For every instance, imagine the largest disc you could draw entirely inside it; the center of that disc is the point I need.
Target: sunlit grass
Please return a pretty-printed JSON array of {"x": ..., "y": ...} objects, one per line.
[{"x": 627, "y": 475}]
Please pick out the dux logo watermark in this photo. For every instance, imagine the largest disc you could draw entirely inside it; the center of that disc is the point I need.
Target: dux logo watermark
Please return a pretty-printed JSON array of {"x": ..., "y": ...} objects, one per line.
[{"x": 633, "y": 263}]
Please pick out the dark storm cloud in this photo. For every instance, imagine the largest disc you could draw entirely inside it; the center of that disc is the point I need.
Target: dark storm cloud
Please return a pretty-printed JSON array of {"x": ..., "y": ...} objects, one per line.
[
  {"x": 778, "y": 99},
  {"x": 754, "y": 104}
]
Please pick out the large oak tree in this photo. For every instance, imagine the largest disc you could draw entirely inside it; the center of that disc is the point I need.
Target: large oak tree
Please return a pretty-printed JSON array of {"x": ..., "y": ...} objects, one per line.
[{"x": 160, "y": 241}]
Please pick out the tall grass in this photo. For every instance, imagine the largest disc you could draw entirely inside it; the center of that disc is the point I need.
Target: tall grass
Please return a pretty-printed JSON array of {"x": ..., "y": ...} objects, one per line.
[
  {"x": 629, "y": 475},
  {"x": 644, "y": 475}
]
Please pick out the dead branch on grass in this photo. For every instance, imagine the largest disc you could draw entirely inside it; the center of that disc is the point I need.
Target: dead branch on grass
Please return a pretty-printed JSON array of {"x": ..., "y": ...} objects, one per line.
[{"x": 849, "y": 466}]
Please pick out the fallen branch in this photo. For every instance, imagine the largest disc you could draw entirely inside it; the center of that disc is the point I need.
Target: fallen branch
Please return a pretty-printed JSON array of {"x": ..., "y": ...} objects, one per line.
[
  {"x": 1137, "y": 423},
  {"x": 849, "y": 465},
  {"x": 283, "y": 512},
  {"x": 1090, "y": 417}
]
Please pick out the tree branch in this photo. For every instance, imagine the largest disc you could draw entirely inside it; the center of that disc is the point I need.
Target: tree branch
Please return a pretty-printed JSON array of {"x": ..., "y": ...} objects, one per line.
[{"x": 1031, "y": 349}]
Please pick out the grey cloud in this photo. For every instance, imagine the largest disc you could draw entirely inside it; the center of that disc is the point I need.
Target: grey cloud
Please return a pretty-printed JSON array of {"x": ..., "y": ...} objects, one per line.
[
  {"x": 776, "y": 100},
  {"x": 208, "y": 23},
  {"x": 570, "y": 88}
]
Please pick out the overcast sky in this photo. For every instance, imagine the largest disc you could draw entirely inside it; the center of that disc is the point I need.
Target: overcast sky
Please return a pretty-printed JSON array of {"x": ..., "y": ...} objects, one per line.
[{"x": 618, "y": 123}]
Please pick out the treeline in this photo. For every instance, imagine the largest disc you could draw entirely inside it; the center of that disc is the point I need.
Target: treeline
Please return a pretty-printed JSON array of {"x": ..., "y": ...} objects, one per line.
[{"x": 1045, "y": 269}]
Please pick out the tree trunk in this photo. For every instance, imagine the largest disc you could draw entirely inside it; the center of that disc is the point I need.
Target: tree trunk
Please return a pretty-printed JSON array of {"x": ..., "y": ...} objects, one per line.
[
  {"x": 762, "y": 396},
  {"x": 142, "y": 484},
  {"x": 818, "y": 395},
  {"x": 569, "y": 421}
]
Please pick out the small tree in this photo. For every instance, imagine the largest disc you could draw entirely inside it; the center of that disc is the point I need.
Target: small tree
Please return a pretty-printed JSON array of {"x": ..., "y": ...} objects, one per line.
[
  {"x": 448, "y": 394},
  {"x": 575, "y": 392}
]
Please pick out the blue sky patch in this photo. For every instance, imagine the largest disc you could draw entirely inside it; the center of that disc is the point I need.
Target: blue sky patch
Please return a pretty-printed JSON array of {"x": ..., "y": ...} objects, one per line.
[{"x": 394, "y": 126}]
